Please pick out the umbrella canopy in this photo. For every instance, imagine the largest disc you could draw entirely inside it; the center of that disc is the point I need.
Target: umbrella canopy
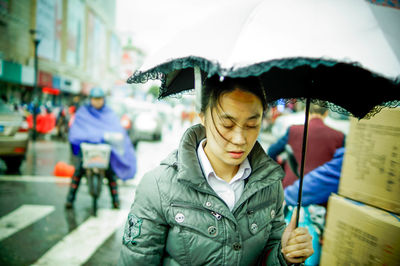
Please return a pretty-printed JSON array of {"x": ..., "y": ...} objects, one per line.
[
  {"x": 337, "y": 51},
  {"x": 341, "y": 54}
]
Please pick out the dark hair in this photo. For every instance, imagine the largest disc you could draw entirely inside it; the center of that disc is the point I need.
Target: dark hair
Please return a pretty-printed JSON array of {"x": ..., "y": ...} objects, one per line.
[
  {"x": 316, "y": 109},
  {"x": 214, "y": 87}
]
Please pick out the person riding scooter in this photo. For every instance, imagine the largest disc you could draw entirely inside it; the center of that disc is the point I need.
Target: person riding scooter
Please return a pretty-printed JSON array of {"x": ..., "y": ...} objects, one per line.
[{"x": 91, "y": 124}]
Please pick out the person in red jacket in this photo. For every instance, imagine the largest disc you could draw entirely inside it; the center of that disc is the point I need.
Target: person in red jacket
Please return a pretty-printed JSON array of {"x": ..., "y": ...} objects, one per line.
[{"x": 322, "y": 143}]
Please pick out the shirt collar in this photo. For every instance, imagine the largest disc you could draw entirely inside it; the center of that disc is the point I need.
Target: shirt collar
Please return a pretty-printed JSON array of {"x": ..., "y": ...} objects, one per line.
[{"x": 243, "y": 172}]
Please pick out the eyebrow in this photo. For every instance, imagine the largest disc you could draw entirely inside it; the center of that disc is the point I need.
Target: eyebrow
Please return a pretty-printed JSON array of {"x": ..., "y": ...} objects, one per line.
[{"x": 226, "y": 116}]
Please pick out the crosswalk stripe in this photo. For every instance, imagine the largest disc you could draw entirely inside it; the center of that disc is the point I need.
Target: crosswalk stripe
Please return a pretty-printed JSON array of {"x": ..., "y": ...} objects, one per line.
[
  {"x": 78, "y": 246},
  {"x": 21, "y": 218},
  {"x": 61, "y": 180},
  {"x": 32, "y": 178}
]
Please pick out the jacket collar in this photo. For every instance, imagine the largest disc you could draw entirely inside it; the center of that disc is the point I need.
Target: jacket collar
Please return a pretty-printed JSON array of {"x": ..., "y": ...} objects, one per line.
[
  {"x": 264, "y": 170},
  {"x": 243, "y": 172},
  {"x": 189, "y": 169}
]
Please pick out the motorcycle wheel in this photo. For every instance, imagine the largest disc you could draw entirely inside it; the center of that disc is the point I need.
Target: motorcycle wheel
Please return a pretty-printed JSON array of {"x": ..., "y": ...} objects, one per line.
[
  {"x": 93, "y": 180},
  {"x": 94, "y": 206},
  {"x": 95, "y": 184}
]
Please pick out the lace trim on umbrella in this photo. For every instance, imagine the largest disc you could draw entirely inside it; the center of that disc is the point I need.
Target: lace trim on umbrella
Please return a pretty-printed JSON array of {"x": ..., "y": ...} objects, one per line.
[
  {"x": 211, "y": 68},
  {"x": 338, "y": 109}
]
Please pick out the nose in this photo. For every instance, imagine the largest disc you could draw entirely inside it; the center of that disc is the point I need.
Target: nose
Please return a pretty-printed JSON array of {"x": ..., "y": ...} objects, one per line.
[{"x": 238, "y": 136}]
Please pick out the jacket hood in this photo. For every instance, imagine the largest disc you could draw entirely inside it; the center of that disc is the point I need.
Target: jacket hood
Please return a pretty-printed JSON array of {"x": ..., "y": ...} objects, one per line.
[{"x": 189, "y": 169}]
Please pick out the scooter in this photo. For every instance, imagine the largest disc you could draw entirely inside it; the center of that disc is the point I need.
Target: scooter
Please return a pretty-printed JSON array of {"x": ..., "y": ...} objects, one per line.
[{"x": 96, "y": 160}]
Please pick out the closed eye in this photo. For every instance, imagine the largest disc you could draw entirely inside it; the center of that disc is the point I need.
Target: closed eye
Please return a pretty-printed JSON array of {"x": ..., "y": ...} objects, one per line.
[
  {"x": 256, "y": 126},
  {"x": 228, "y": 126}
]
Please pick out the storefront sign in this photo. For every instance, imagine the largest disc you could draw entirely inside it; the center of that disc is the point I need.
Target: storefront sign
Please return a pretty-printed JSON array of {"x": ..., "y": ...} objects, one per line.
[
  {"x": 28, "y": 76},
  {"x": 65, "y": 84},
  {"x": 70, "y": 85},
  {"x": 45, "y": 79},
  {"x": 51, "y": 91},
  {"x": 76, "y": 86},
  {"x": 11, "y": 72},
  {"x": 56, "y": 82}
]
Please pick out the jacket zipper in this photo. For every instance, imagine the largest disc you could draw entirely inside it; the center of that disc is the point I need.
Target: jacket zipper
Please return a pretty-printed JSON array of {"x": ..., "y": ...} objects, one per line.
[{"x": 182, "y": 205}]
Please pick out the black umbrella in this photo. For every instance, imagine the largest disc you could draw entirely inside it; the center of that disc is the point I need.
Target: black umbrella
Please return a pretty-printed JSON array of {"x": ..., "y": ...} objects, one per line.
[{"x": 344, "y": 55}]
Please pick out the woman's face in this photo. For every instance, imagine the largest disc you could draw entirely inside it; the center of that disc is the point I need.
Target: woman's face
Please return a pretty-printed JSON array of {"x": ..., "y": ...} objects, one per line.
[{"x": 232, "y": 127}]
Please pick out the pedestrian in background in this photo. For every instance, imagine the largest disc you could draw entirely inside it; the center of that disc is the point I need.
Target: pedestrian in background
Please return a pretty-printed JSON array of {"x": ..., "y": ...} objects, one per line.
[
  {"x": 217, "y": 200},
  {"x": 90, "y": 125},
  {"x": 322, "y": 143},
  {"x": 319, "y": 183}
]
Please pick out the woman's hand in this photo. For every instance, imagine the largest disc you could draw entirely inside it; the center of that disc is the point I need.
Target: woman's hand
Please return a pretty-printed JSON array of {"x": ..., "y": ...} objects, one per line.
[{"x": 296, "y": 242}]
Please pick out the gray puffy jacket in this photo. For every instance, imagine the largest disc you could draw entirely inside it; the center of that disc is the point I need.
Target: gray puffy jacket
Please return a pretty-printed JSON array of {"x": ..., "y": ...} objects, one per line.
[{"x": 177, "y": 218}]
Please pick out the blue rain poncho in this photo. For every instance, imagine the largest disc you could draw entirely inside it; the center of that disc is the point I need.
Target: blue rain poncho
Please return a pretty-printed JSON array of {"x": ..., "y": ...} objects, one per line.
[{"x": 90, "y": 125}]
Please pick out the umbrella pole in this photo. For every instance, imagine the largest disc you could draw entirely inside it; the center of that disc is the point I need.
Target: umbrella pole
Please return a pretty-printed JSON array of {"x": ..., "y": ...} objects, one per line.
[
  {"x": 303, "y": 159},
  {"x": 197, "y": 87}
]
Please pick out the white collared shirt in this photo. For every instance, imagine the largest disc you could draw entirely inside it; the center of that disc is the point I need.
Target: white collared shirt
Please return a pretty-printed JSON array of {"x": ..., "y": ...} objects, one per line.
[{"x": 228, "y": 192}]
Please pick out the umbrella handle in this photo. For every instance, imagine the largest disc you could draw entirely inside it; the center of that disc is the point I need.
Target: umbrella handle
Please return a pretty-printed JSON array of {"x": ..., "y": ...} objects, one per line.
[{"x": 303, "y": 159}]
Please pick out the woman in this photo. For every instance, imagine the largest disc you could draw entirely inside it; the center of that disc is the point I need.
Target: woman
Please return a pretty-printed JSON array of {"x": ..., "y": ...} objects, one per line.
[{"x": 217, "y": 200}]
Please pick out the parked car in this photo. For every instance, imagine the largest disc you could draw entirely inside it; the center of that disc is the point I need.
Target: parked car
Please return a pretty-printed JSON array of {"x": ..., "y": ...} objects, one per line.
[
  {"x": 119, "y": 107},
  {"x": 146, "y": 126},
  {"x": 143, "y": 120},
  {"x": 13, "y": 138}
]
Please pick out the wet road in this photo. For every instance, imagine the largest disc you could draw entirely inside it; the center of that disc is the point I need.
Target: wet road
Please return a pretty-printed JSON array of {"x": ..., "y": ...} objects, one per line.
[
  {"x": 33, "y": 212},
  {"x": 35, "y": 228}
]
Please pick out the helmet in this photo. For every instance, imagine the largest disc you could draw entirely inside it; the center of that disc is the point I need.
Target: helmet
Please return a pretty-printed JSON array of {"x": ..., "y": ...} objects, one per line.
[{"x": 96, "y": 93}]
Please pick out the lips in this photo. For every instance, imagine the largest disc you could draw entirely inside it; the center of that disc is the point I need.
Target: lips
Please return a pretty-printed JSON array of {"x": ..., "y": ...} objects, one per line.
[{"x": 236, "y": 154}]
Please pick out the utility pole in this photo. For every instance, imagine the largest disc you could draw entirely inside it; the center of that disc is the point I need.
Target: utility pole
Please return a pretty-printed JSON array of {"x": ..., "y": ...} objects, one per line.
[{"x": 36, "y": 42}]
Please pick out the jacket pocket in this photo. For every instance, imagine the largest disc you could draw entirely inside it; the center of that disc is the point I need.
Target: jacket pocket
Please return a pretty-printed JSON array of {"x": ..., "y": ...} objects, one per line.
[
  {"x": 195, "y": 218},
  {"x": 197, "y": 232},
  {"x": 259, "y": 218}
]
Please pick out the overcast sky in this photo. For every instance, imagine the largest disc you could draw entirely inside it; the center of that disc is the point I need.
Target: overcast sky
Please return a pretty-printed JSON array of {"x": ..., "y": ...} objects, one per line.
[{"x": 150, "y": 22}]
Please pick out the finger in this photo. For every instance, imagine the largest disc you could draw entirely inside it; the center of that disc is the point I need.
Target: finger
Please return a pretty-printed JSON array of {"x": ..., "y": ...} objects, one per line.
[
  {"x": 296, "y": 260},
  {"x": 300, "y": 253},
  {"x": 296, "y": 247},
  {"x": 300, "y": 231},
  {"x": 292, "y": 224},
  {"x": 299, "y": 239}
]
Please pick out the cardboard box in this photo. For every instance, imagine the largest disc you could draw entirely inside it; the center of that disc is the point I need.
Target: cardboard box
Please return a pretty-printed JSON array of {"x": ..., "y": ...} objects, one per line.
[
  {"x": 359, "y": 234},
  {"x": 371, "y": 165}
]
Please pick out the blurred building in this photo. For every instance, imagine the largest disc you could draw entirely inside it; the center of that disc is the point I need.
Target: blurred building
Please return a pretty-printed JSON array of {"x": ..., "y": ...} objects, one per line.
[
  {"x": 78, "y": 49},
  {"x": 132, "y": 59}
]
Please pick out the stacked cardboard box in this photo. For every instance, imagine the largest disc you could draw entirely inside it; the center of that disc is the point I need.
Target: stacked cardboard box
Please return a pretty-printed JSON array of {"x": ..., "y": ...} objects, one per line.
[
  {"x": 366, "y": 230},
  {"x": 371, "y": 166},
  {"x": 359, "y": 234}
]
